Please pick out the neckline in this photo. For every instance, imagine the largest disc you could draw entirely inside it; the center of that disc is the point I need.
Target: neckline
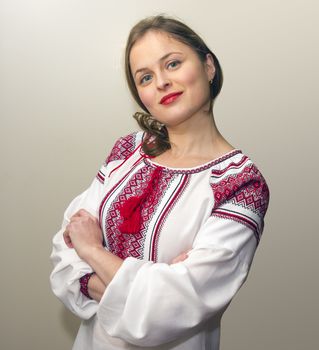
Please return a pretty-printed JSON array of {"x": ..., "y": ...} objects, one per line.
[{"x": 191, "y": 170}]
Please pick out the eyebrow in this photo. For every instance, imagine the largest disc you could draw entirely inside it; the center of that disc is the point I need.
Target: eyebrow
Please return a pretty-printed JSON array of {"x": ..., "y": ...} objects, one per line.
[{"x": 160, "y": 60}]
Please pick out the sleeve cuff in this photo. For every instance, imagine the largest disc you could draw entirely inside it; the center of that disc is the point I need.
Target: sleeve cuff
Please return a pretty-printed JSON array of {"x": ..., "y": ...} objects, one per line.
[{"x": 84, "y": 281}]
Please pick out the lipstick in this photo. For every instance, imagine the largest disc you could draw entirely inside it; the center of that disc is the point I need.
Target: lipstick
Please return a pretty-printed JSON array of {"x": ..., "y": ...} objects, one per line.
[{"x": 167, "y": 99}]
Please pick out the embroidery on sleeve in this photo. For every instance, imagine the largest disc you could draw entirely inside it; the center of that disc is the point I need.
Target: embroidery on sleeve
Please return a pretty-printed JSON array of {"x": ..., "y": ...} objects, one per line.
[
  {"x": 241, "y": 194},
  {"x": 122, "y": 149}
]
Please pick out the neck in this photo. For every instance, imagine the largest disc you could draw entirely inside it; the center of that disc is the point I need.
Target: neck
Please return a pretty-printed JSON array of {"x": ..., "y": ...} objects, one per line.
[{"x": 197, "y": 137}]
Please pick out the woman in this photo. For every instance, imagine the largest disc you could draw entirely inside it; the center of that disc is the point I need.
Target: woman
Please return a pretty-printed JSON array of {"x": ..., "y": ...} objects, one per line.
[{"x": 153, "y": 252}]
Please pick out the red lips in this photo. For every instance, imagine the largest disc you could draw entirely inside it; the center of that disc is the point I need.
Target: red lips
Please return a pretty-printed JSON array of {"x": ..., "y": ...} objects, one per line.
[{"x": 170, "y": 98}]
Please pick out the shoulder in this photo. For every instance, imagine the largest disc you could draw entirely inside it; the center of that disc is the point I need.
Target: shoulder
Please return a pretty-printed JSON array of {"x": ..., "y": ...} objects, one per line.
[
  {"x": 125, "y": 146},
  {"x": 238, "y": 185},
  {"x": 122, "y": 149}
]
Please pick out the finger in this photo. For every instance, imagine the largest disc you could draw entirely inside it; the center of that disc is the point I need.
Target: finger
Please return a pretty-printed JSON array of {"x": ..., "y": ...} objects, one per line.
[
  {"x": 183, "y": 256},
  {"x": 67, "y": 239},
  {"x": 88, "y": 214},
  {"x": 75, "y": 219},
  {"x": 81, "y": 212},
  {"x": 174, "y": 261}
]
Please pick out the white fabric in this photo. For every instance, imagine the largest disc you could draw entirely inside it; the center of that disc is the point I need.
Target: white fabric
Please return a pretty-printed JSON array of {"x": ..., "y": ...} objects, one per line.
[{"x": 155, "y": 304}]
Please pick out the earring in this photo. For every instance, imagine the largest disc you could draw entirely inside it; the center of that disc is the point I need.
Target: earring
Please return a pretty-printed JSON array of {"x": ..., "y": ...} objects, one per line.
[{"x": 211, "y": 81}]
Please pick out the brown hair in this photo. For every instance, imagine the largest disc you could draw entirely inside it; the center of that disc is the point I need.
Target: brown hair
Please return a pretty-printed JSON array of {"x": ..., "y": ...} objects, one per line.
[{"x": 157, "y": 140}]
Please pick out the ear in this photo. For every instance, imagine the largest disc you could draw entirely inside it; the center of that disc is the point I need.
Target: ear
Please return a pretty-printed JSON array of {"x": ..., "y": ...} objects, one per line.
[{"x": 210, "y": 66}]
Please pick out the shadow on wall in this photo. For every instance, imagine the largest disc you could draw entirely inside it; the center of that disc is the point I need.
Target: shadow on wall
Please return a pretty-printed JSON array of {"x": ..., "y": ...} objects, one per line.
[{"x": 69, "y": 322}]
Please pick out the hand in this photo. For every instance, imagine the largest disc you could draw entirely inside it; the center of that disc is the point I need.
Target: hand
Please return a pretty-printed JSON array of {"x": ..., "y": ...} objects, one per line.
[
  {"x": 83, "y": 233},
  {"x": 181, "y": 257}
]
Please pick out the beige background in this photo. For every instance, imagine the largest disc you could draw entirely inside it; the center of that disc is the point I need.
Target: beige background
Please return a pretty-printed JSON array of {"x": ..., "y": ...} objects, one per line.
[{"x": 63, "y": 103}]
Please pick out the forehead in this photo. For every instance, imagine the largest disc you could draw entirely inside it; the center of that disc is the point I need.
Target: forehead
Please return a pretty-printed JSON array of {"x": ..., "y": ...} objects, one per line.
[{"x": 152, "y": 46}]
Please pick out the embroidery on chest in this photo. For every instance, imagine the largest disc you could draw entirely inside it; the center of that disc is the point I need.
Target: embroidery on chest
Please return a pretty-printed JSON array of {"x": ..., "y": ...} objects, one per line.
[{"x": 148, "y": 193}]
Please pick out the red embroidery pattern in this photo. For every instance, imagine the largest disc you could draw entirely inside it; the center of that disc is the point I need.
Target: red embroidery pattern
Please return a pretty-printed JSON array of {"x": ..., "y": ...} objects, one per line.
[
  {"x": 123, "y": 148},
  {"x": 199, "y": 168},
  {"x": 257, "y": 229},
  {"x": 100, "y": 177},
  {"x": 131, "y": 209},
  {"x": 168, "y": 208},
  {"x": 84, "y": 281},
  {"x": 123, "y": 244},
  {"x": 216, "y": 173},
  {"x": 247, "y": 189}
]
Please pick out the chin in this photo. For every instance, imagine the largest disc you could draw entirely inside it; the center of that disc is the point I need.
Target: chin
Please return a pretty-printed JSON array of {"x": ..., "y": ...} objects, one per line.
[{"x": 182, "y": 118}]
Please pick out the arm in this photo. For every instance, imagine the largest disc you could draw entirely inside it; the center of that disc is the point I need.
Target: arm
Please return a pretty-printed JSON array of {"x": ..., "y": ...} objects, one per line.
[
  {"x": 188, "y": 292},
  {"x": 84, "y": 234},
  {"x": 192, "y": 291},
  {"x": 68, "y": 267},
  {"x": 148, "y": 304},
  {"x": 96, "y": 288}
]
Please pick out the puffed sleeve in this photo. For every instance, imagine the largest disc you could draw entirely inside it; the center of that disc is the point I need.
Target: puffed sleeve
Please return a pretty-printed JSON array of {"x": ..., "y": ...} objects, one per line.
[
  {"x": 68, "y": 268},
  {"x": 148, "y": 304}
]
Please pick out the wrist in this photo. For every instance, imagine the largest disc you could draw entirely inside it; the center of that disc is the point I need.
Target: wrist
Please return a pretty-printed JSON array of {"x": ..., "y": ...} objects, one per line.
[{"x": 90, "y": 252}]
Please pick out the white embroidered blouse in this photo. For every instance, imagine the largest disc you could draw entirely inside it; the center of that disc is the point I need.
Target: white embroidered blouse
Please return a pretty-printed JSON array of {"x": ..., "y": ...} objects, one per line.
[{"x": 215, "y": 210}]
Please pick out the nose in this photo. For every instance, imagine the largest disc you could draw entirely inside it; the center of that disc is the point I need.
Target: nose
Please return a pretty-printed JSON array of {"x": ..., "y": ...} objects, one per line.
[{"x": 162, "y": 81}]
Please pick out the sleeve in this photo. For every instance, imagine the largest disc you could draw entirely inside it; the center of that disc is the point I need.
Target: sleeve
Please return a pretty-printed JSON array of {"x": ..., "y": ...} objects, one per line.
[
  {"x": 68, "y": 268},
  {"x": 148, "y": 304}
]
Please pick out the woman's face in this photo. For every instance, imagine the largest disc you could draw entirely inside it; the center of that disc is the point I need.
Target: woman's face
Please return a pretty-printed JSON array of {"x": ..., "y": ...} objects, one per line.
[{"x": 171, "y": 80}]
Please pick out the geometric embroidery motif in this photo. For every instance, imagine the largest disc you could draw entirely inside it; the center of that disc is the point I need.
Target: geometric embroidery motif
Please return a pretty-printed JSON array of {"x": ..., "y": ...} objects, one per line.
[
  {"x": 247, "y": 189},
  {"x": 122, "y": 244},
  {"x": 123, "y": 148}
]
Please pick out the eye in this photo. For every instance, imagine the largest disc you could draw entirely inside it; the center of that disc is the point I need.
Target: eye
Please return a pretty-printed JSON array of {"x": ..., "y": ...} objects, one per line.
[
  {"x": 145, "y": 79},
  {"x": 173, "y": 64}
]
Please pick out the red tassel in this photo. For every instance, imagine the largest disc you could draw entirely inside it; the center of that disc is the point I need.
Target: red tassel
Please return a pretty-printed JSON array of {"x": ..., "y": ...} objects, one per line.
[
  {"x": 130, "y": 211},
  {"x": 129, "y": 207},
  {"x": 131, "y": 214}
]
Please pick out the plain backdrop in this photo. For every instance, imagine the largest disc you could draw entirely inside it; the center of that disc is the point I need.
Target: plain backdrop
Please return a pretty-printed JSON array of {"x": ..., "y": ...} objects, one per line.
[{"x": 64, "y": 102}]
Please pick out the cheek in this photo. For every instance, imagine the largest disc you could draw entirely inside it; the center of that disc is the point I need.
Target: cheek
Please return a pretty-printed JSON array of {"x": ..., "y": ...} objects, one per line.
[
  {"x": 196, "y": 79},
  {"x": 198, "y": 89},
  {"x": 192, "y": 74},
  {"x": 190, "y": 78},
  {"x": 147, "y": 97}
]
